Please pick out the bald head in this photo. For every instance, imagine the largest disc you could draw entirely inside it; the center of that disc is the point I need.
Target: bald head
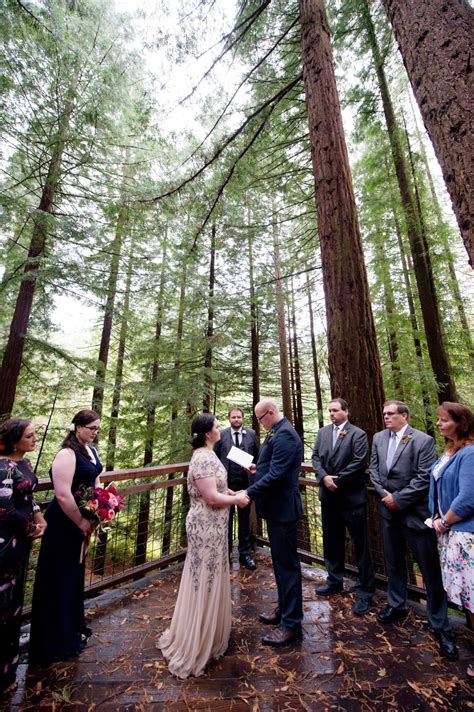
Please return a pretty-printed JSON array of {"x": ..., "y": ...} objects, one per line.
[{"x": 268, "y": 412}]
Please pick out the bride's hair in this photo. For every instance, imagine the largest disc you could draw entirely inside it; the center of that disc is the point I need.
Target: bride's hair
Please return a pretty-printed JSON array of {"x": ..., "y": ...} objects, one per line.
[{"x": 202, "y": 424}]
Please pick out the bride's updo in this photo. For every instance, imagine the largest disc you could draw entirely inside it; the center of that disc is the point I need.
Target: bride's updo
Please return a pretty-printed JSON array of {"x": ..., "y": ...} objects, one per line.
[{"x": 202, "y": 424}]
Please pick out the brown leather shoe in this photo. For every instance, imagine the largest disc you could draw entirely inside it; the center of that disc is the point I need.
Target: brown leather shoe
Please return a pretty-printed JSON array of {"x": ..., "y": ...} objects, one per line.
[
  {"x": 272, "y": 618},
  {"x": 282, "y": 636}
]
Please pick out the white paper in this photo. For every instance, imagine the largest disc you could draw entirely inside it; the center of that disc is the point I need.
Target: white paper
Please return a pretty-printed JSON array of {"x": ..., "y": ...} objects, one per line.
[
  {"x": 242, "y": 458},
  {"x": 429, "y": 522}
]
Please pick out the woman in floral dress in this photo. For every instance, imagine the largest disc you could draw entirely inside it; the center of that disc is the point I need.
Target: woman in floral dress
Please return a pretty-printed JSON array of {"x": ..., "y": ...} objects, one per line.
[
  {"x": 452, "y": 505},
  {"x": 200, "y": 627},
  {"x": 20, "y": 522}
]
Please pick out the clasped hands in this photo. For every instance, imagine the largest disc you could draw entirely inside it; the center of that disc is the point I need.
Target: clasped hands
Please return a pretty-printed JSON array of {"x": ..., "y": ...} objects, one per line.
[{"x": 241, "y": 498}]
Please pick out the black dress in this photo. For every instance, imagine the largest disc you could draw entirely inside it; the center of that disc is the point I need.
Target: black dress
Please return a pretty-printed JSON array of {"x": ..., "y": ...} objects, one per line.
[
  {"x": 57, "y": 616},
  {"x": 17, "y": 483}
]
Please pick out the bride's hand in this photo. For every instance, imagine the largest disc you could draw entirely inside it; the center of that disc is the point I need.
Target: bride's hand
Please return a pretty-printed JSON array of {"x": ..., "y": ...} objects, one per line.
[{"x": 242, "y": 499}]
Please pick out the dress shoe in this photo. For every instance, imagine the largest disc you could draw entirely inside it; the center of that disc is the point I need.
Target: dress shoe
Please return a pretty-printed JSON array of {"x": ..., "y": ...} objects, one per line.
[
  {"x": 272, "y": 618},
  {"x": 361, "y": 607},
  {"x": 248, "y": 562},
  {"x": 282, "y": 636},
  {"x": 447, "y": 645},
  {"x": 329, "y": 589},
  {"x": 389, "y": 614}
]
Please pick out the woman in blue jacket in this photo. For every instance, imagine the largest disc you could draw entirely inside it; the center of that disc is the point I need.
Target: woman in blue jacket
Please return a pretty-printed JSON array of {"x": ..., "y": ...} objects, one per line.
[{"x": 452, "y": 504}]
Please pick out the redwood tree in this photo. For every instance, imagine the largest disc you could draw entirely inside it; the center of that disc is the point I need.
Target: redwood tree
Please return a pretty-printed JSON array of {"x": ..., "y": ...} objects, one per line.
[
  {"x": 353, "y": 358},
  {"x": 435, "y": 38}
]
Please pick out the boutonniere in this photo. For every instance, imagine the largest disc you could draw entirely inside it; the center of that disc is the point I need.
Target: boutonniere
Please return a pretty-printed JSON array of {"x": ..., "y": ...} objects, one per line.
[
  {"x": 406, "y": 439},
  {"x": 270, "y": 434},
  {"x": 244, "y": 432},
  {"x": 343, "y": 433}
]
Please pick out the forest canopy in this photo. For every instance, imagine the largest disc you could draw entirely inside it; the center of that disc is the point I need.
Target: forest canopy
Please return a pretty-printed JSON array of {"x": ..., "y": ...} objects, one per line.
[{"x": 203, "y": 205}]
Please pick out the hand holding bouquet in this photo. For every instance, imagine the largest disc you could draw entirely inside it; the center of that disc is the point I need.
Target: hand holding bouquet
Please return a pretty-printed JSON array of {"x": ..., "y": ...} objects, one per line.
[{"x": 99, "y": 504}]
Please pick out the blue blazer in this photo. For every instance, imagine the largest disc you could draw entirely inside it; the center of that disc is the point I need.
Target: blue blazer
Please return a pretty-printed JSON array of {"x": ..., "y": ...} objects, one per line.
[
  {"x": 454, "y": 489},
  {"x": 275, "y": 489}
]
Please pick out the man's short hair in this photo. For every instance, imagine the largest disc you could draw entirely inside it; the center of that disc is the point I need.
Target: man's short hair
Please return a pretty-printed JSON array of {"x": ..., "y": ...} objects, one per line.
[
  {"x": 236, "y": 407},
  {"x": 343, "y": 403},
  {"x": 401, "y": 406}
]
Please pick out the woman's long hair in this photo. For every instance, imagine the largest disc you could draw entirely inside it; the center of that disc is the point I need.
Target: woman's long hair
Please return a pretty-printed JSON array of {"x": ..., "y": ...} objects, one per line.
[
  {"x": 11, "y": 431},
  {"x": 83, "y": 417},
  {"x": 202, "y": 424},
  {"x": 464, "y": 420}
]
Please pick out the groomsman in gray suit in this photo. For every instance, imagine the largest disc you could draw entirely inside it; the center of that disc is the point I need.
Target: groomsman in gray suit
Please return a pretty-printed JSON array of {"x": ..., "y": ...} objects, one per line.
[
  {"x": 340, "y": 458},
  {"x": 238, "y": 478},
  {"x": 400, "y": 467}
]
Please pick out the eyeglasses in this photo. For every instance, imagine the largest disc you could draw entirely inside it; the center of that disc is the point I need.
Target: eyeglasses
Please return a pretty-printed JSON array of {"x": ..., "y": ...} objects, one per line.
[
  {"x": 92, "y": 428},
  {"x": 261, "y": 417}
]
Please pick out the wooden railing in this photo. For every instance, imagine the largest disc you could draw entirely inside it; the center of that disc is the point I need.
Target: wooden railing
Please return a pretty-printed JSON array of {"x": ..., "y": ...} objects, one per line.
[{"x": 151, "y": 533}]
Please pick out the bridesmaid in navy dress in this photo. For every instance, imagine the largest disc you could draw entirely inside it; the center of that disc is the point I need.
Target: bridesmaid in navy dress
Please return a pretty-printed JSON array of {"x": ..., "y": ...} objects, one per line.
[
  {"x": 20, "y": 522},
  {"x": 58, "y": 630}
]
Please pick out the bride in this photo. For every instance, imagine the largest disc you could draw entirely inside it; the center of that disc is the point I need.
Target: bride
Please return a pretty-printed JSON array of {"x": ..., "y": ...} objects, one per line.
[{"x": 200, "y": 627}]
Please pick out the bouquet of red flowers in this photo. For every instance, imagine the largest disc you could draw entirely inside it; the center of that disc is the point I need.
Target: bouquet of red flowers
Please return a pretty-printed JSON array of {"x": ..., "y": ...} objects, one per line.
[{"x": 99, "y": 504}]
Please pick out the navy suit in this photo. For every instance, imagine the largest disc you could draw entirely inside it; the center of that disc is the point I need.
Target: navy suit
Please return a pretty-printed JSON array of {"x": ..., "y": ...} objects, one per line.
[
  {"x": 278, "y": 500},
  {"x": 346, "y": 506},
  {"x": 408, "y": 480},
  {"x": 238, "y": 479}
]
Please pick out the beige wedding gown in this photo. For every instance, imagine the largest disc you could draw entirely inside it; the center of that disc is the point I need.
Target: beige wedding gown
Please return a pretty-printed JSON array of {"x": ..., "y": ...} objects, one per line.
[{"x": 200, "y": 627}]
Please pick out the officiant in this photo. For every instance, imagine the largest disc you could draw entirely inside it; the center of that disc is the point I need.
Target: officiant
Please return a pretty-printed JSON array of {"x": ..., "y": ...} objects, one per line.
[{"x": 238, "y": 478}]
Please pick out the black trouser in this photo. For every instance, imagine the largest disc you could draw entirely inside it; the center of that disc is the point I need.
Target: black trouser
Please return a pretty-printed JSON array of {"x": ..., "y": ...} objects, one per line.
[
  {"x": 243, "y": 518},
  {"x": 335, "y": 520},
  {"x": 286, "y": 565}
]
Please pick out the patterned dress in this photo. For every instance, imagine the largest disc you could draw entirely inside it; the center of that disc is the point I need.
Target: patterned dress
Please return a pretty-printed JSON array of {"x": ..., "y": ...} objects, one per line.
[
  {"x": 17, "y": 483},
  {"x": 456, "y": 553},
  {"x": 200, "y": 627}
]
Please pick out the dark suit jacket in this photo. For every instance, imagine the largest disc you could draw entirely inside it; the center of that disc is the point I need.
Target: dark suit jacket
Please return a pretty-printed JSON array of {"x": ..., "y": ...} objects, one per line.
[
  {"x": 275, "y": 489},
  {"x": 348, "y": 460},
  {"x": 408, "y": 479},
  {"x": 249, "y": 443}
]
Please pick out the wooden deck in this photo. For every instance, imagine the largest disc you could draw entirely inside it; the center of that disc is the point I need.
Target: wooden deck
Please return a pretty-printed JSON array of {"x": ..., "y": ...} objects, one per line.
[{"x": 343, "y": 662}]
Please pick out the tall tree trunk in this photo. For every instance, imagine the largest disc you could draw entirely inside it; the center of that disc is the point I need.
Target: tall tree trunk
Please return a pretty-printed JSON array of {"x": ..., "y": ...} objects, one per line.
[
  {"x": 354, "y": 364},
  {"x": 390, "y": 312},
  {"x": 280, "y": 309},
  {"x": 151, "y": 396},
  {"x": 114, "y": 413},
  {"x": 418, "y": 244},
  {"x": 428, "y": 410},
  {"x": 435, "y": 38},
  {"x": 254, "y": 340},
  {"x": 314, "y": 353},
  {"x": 447, "y": 254},
  {"x": 299, "y": 427},
  {"x": 210, "y": 323},
  {"x": 12, "y": 356},
  {"x": 98, "y": 564},
  {"x": 116, "y": 247}
]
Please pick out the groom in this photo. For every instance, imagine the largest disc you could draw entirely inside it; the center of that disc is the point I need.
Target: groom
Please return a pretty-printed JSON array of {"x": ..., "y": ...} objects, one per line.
[{"x": 278, "y": 500}]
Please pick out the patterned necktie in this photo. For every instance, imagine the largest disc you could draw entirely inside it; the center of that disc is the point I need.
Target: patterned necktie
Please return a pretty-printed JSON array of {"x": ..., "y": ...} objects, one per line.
[
  {"x": 335, "y": 435},
  {"x": 392, "y": 446}
]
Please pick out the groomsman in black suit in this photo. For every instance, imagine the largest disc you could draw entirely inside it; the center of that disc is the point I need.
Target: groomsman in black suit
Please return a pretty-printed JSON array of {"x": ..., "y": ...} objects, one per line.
[
  {"x": 238, "y": 478},
  {"x": 400, "y": 467},
  {"x": 278, "y": 500},
  {"x": 340, "y": 458}
]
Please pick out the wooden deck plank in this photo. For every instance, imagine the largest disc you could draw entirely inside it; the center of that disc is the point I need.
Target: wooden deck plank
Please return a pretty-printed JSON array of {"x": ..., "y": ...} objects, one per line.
[{"x": 343, "y": 662}]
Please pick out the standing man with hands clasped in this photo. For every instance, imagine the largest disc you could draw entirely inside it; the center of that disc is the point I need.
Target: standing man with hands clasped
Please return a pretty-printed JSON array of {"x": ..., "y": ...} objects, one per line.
[
  {"x": 340, "y": 457},
  {"x": 400, "y": 466},
  {"x": 238, "y": 478},
  {"x": 278, "y": 500}
]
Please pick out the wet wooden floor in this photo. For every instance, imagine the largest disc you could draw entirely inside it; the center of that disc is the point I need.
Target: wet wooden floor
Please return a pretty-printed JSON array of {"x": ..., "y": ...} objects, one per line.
[{"x": 343, "y": 663}]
